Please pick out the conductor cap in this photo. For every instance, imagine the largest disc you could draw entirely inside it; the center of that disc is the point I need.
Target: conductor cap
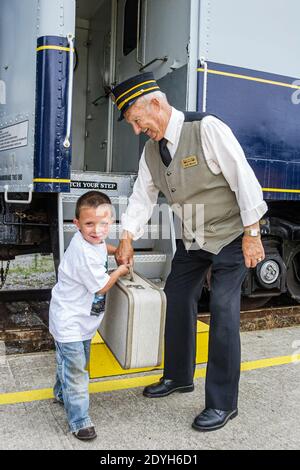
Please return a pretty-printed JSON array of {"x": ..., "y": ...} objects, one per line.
[{"x": 127, "y": 92}]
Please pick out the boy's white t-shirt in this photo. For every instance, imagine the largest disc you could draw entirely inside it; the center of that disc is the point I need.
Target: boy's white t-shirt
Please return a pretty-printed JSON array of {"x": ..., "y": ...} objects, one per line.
[{"x": 81, "y": 273}]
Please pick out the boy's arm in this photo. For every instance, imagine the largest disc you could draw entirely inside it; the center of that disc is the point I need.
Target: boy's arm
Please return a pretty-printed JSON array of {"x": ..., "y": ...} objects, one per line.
[{"x": 113, "y": 277}]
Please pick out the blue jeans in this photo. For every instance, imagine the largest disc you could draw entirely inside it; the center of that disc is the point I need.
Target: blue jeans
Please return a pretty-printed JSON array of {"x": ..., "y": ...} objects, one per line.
[{"x": 72, "y": 381}]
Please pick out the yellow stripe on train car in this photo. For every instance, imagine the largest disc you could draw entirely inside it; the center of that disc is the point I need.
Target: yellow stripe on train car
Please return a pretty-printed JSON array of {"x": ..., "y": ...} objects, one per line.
[
  {"x": 56, "y": 48},
  {"x": 50, "y": 180},
  {"x": 281, "y": 190},
  {"x": 248, "y": 77}
]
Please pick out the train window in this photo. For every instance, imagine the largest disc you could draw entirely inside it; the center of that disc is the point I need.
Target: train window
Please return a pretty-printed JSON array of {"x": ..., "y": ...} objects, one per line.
[{"x": 130, "y": 26}]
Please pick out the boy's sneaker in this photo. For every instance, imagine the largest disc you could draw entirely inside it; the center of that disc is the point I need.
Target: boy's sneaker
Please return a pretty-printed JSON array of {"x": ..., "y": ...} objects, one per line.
[
  {"x": 57, "y": 400},
  {"x": 86, "y": 434}
]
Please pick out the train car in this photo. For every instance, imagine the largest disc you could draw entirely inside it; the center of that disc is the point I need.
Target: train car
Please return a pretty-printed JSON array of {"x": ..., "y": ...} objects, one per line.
[{"x": 59, "y": 134}]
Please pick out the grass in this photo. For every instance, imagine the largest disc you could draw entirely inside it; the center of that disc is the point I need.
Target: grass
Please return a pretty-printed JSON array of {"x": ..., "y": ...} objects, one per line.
[
  {"x": 38, "y": 264},
  {"x": 30, "y": 271}
]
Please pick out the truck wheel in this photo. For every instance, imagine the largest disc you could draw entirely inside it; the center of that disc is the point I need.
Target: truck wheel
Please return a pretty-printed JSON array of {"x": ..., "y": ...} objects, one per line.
[{"x": 268, "y": 272}]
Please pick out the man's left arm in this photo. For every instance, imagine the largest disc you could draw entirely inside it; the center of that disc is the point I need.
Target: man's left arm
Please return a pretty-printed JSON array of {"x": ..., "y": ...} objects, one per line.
[{"x": 224, "y": 154}]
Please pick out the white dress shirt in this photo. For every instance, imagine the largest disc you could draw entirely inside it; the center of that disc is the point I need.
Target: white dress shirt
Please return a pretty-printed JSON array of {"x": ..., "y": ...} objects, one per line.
[{"x": 222, "y": 152}]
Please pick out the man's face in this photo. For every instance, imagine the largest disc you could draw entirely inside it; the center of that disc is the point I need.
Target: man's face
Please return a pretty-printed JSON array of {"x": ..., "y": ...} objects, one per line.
[
  {"x": 147, "y": 117},
  {"x": 94, "y": 223}
]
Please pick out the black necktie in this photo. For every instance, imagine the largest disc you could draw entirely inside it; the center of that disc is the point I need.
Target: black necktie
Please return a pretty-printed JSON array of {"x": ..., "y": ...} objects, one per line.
[{"x": 164, "y": 152}]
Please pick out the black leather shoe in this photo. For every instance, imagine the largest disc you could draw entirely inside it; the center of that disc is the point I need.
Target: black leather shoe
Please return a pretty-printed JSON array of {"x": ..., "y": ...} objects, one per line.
[
  {"x": 86, "y": 434},
  {"x": 211, "y": 419},
  {"x": 165, "y": 387}
]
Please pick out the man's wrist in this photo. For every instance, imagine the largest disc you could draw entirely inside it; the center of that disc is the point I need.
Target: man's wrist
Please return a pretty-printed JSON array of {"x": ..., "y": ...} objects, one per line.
[
  {"x": 126, "y": 236},
  {"x": 252, "y": 232}
]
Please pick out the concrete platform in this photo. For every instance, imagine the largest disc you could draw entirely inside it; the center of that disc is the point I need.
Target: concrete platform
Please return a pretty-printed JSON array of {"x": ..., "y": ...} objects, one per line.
[{"x": 269, "y": 405}]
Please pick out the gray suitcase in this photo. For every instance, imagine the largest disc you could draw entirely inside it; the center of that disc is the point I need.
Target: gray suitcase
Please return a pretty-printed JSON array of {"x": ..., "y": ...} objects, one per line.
[{"x": 134, "y": 321}]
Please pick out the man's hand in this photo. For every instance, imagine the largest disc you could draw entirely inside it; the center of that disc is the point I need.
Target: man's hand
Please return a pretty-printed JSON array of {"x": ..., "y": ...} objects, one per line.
[
  {"x": 124, "y": 253},
  {"x": 253, "y": 250}
]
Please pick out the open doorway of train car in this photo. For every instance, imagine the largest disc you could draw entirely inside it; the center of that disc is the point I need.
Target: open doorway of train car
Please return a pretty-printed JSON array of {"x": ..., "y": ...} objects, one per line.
[
  {"x": 106, "y": 37},
  {"x": 116, "y": 39},
  {"x": 91, "y": 105}
]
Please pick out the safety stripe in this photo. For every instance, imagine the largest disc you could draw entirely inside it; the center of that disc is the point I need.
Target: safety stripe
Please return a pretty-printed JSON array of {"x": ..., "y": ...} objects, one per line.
[
  {"x": 270, "y": 362},
  {"x": 247, "y": 77},
  {"x": 121, "y": 105},
  {"x": 121, "y": 384},
  {"x": 277, "y": 190},
  {"x": 57, "y": 48},
  {"x": 134, "y": 88},
  {"x": 49, "y": 180}
]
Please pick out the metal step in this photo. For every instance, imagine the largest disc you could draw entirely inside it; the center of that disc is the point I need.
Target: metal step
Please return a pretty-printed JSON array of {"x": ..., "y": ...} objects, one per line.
[
  {"x": 69, "y": 205},
  {"x": 112, "y": 184},
  {"x": 151, "y": 265},
  {"x": 146, "y": 242}
]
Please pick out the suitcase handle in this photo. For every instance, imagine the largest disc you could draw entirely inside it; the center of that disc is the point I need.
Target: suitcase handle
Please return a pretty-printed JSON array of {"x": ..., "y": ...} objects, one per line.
[{"x": 131, "y": 278}]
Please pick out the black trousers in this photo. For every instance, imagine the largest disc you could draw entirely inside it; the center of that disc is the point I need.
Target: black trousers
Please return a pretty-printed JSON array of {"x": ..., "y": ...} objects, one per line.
[{"x": 183, "y": 290}]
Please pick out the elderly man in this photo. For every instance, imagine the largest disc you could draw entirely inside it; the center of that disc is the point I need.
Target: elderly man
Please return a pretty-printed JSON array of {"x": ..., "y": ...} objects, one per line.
[{"x": 195, "y": 159}]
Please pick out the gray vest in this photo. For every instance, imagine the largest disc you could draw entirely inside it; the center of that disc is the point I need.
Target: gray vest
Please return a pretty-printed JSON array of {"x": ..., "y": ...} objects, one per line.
[{"x": 204, "y": 202}]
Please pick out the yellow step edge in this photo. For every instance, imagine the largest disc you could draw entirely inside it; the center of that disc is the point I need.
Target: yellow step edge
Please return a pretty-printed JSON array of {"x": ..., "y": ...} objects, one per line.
[{"x": 104, "y": 364}]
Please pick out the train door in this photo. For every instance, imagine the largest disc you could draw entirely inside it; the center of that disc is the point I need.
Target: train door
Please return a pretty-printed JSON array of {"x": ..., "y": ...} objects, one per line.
[
  {"x": 93, "y": 74},
  {"x": 129, "y": 51},
  {"x": 152, "y": 36},
  {"x": 110, "y": 43}
]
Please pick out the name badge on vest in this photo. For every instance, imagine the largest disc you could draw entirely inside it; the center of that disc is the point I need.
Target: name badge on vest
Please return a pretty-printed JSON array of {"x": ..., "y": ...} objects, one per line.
[{"x": 189, "y": 161}]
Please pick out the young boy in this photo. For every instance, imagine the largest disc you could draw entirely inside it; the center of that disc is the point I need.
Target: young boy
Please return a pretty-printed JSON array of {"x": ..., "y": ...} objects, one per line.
[{"x": 77, "y": 307}]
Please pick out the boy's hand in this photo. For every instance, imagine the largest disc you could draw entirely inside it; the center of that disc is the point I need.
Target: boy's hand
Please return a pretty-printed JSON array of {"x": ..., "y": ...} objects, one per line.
[{"x": 123, "y": 269}]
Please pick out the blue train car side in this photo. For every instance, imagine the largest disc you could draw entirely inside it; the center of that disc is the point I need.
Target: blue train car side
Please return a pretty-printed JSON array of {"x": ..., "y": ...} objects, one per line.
[{"x": 263, "y": 111}]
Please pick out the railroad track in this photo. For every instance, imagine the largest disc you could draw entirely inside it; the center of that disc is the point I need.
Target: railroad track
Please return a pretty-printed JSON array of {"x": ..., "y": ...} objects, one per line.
[
  {"x": 25, "y": 295},
  {"x": 24, "y": 323},
  {"x": 265, "y": 317},
  {"x": 24, "y": 319}
]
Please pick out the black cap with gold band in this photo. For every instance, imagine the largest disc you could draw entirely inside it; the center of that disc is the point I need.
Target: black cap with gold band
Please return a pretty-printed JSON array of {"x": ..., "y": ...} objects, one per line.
[{"x": 127, "y": 92}]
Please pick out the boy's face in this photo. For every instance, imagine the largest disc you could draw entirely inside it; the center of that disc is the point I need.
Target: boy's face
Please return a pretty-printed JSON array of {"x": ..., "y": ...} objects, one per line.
[{"x": 94, "y": 223}]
